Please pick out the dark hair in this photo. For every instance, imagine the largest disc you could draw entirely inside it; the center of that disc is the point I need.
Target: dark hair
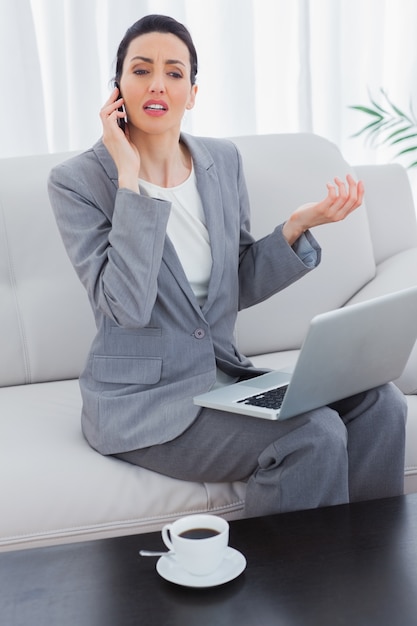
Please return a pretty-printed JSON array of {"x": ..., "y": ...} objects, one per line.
[{"x": 156, "y": 24}]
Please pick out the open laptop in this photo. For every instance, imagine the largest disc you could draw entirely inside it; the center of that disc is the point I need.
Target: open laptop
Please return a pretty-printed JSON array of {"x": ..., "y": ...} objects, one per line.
[{"x": 346, "y": 351}]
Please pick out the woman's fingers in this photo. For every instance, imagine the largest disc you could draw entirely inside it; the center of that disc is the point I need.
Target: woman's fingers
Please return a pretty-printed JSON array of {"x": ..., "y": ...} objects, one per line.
[
  {"x": 343, "y": 197},
  {"x": 110, "y": 110}
]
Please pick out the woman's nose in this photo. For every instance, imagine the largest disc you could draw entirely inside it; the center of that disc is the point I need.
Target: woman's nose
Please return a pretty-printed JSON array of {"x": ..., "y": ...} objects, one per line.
[{"x": 157, "y": 85}]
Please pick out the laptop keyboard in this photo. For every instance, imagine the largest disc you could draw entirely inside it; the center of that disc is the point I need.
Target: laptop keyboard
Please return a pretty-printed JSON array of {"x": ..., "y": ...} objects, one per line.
[{"x": 271, "y": 399}]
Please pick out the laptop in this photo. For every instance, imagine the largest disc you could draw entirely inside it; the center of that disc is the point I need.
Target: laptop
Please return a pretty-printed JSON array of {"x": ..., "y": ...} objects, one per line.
[{"x": 346, "y": 351}]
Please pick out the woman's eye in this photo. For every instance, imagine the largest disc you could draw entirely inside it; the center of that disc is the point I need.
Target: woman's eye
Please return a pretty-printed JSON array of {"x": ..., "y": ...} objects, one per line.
[{"x": 144, "y": 72}]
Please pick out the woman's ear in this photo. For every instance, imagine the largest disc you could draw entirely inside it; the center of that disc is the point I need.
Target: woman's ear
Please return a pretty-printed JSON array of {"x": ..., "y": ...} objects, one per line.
[{"x": 191, "y": 101}]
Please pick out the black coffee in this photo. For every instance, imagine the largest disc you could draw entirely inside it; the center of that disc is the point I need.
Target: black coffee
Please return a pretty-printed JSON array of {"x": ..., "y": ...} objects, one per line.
[{"x": 199, "y": 533}]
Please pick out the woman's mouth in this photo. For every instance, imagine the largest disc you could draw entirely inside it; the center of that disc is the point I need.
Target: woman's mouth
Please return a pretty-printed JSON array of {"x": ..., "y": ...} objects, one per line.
[{"x": 155, "y": 107}]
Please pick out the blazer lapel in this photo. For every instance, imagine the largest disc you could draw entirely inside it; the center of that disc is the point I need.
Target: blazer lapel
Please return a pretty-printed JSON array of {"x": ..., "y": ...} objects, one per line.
[
  {"x": 173, "y": 264},
  {"x": 209, "y": 188}
]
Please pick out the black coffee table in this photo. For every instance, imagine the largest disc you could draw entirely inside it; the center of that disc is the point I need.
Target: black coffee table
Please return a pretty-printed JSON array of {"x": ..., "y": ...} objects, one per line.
[{"x": 353, "y": 565}]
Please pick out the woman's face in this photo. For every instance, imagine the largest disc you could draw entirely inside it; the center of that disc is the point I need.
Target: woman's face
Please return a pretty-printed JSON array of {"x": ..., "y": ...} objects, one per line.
[{"x": 155, "y": 83}]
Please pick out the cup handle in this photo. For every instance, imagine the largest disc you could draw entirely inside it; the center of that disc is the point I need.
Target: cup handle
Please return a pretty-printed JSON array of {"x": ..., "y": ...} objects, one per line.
[{"x": 166, "y": 538}]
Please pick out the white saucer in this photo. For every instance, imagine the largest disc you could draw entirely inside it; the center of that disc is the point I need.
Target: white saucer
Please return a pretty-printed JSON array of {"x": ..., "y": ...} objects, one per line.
[{"x": 231, "y": 567}]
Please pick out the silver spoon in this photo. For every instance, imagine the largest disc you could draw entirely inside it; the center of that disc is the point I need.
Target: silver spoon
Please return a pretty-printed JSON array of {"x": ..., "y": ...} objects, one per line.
[{"x": 152, "y": 553}]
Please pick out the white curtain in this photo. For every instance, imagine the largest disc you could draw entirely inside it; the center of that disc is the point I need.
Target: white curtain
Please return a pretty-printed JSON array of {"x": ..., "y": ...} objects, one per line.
[{"x": 265, "y": 66}]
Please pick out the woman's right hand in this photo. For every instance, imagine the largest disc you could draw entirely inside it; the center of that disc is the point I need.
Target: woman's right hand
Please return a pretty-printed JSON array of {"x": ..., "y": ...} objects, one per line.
[
  {"x": 124, "y": 153},
  {"x": 342, "y": 198}
]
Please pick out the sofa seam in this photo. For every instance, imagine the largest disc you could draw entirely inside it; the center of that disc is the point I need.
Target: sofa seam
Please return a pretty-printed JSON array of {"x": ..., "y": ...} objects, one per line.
[
  {"x": 235, "y": 506},
  {"x": 13, "y": 285}
]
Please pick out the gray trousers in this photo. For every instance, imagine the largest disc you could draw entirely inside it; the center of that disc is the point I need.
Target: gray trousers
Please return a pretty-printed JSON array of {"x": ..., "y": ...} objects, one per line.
[{"x": 352, "y": 450}]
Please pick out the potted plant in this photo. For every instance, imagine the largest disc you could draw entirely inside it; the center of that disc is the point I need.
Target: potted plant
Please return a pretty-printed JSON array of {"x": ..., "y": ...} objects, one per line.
[{"x": 389, "y": 125}]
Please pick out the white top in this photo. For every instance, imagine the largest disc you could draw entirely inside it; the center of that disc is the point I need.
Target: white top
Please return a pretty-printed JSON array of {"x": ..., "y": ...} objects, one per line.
[{"x": 187, "y": 230}]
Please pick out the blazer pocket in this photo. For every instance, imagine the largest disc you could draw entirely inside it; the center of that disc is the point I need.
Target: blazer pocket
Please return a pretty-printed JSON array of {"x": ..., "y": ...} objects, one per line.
[
  {"x": 131, "y": 370},
  {"x": 145, "y": 331}
]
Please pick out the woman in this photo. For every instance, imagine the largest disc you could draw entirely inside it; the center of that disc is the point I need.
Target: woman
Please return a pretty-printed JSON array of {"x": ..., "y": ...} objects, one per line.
[{"x": 156, "y": 225}]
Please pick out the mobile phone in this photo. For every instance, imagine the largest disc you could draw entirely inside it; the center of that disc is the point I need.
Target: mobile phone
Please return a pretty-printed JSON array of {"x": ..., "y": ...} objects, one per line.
[{"x": 122, "y": 121}]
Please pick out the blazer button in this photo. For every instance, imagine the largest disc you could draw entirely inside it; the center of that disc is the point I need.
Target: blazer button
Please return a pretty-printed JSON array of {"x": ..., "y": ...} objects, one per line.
[{"x": 199, "y": 333}]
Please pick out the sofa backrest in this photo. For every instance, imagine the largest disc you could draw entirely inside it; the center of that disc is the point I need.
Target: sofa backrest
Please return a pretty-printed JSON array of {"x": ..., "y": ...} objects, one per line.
[
  {"x": 283, "y": 172},
  {"x": 46, "y": 324},
  {"x": 390, "y": 208}
]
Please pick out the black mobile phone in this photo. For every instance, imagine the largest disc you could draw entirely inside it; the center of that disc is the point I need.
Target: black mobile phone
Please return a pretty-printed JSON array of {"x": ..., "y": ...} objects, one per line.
[{"x": 122, "y": 121}]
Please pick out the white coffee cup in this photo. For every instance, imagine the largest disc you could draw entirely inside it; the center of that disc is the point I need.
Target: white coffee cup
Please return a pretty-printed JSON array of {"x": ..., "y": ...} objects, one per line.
[{"x": 198, "y": 541}]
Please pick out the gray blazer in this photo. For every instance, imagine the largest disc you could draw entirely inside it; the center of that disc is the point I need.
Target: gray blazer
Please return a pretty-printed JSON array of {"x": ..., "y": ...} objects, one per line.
[{"x": 155, "y": 348}]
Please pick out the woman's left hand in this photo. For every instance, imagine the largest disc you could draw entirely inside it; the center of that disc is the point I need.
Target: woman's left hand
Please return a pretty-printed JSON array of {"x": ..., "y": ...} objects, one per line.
[{"x": 342, "y": 198}]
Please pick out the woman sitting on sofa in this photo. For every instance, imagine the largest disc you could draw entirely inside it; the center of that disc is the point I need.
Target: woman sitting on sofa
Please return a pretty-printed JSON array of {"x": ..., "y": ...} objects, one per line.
[{"x": 156, "y": 224}]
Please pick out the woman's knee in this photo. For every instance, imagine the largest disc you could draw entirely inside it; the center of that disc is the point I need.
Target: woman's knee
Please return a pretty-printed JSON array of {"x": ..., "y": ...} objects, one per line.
[
  {"x": 392, "y": 397},
  {"x": 318, "y": 434},
  {"x": 327, "y": 428},
  {"x": 392, "y": 408},
  {"x": 383, "y": 404}
]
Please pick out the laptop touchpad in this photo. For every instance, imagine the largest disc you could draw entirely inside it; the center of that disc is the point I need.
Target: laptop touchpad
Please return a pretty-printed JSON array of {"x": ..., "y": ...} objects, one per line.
[{"x": 271, "y": 378}]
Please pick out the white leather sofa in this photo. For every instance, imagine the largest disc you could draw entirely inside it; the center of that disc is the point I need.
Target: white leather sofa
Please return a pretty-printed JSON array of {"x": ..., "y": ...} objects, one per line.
[{"x": 53, "y": 487}]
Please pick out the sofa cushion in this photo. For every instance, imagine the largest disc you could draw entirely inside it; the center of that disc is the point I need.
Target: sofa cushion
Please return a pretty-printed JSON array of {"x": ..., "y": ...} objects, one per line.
[
  {"x": 46, "y": 323},
  {"x": 283, "y": 172},
  {"x": 59, "y": 489}
]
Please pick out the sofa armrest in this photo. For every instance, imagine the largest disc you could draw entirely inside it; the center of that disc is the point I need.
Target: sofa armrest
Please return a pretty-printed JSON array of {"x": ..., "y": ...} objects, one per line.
[
  {"x": 393, "y": 274},
  {"x": 390, "y": 207}
]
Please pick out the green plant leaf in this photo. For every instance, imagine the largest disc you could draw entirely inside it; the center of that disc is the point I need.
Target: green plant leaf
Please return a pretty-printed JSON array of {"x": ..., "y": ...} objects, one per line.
[
  {"x": 377, "y": 105},
  {"x": 405, "y": 138},
  {"x": 383, "y": 127},
  {"x": 406, "y": 150},
  {"x": 399, "y": 131},
  {"x": 366, "y": 110},
  {"x": 390, "y": 125},
  {"x": 366, "y": 128},
  {"x": 396, "y": 110}
]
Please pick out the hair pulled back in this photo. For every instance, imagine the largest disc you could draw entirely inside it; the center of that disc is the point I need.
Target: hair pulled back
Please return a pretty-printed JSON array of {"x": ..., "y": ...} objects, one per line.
[{"x": 156, "y": 24}]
